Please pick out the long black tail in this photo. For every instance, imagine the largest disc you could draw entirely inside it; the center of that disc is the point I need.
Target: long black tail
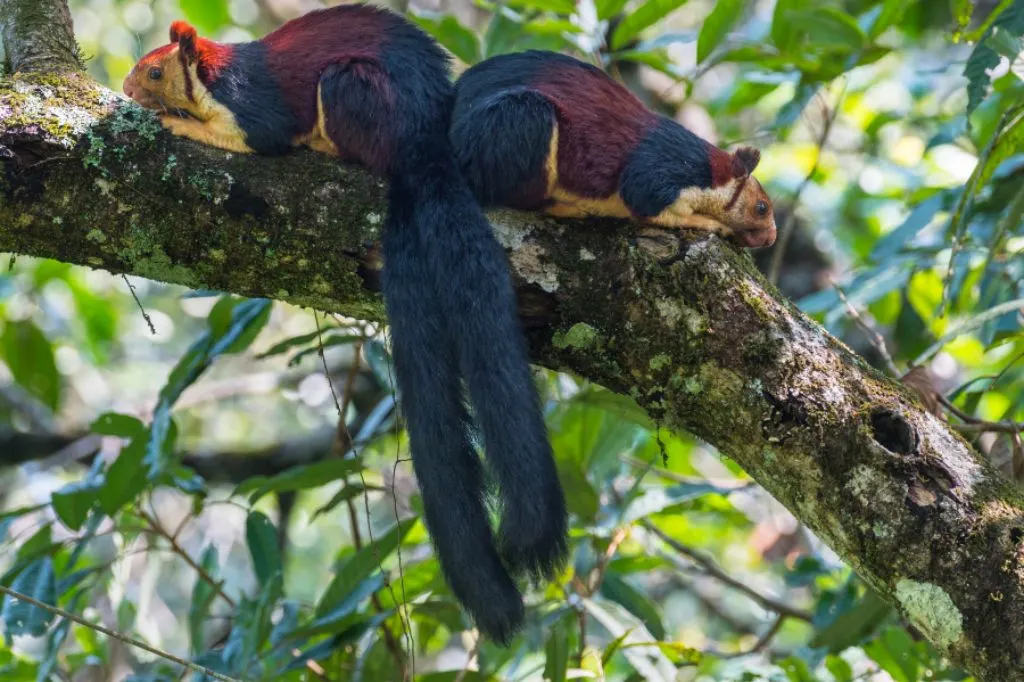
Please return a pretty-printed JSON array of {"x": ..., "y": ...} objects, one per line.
[{"x": 453, "y": 312}]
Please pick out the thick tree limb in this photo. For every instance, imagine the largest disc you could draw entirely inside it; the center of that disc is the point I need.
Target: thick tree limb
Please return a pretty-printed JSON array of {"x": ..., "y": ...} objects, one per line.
[{"x": 687, "y": 327}]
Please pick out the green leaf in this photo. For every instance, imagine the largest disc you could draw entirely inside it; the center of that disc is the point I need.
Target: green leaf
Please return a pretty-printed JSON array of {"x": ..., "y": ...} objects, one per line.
[
  {"x": 969, "y": 324},
  {"x": 657, "y": 499},
  {"x": 853, "y": 626},
  {"x": 783, "y": 33},
  {"x": 294, "y": 342},
  {"x": 97, "y": 317},
  {"x": 207, "y": 15},
  {"x": 556, "y": 653},
  {"x": 29, "y": 356},
  {"x": 790, "y": 112},
  {"x": 456, "y": 676},
  {"x": 829, "y": 27},
  {"x": 246, "y": 318},
  {"x": 203, "y": 594},
  {"x": 797, "y": 670},
  {"x": 115, "y": 424},
  {"x": 381, "y": 364},
  {"x": 56, "y": 640},
  {"x": 455, "y": 37},
  {"x": 986, "y": 57},
  {"x": 357, "y": 567},
  {"x": 73, "y": 502},
  {"x": 894, "y": 653},
  {"x": 299, "y": 478},
  {"x": 622, "y": 407},
  {"x": 126, "y": 478},
  {"x": 892, "y": 12},
  {"x": 615, "y": 588},
  {"x": 961, "y": 11},
  {"x": 264, "y": 547},
  {"x": 332, "y": 340},
  {"x": 336, "y": 618},
  {"x": 349, "y": 492},
  {"x": 36, "y": 581},
  {"x": 840, "y": 669},
  {"x": 722, "y": 18},
  {"x": 647, "y": 14},
  {"x": 918, "y": 219},
  {"x": 606, "y": 9}
]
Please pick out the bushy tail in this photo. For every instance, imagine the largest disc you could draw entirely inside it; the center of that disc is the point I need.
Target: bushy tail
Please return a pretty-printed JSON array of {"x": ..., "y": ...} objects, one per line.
[
  {"x": 473, "y": 289},
  {"x": 453, "y": 312},
  {"x": 446, "y": 465}
]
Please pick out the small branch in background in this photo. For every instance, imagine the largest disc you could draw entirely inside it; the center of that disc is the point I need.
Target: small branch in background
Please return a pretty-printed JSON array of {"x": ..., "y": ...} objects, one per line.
[
  {"x": 779, "y": 251},
  {"x": 471, "y": 657},
  {"x": 875, "y": 337},
  {"x": 712, "y": 569},
  {"x": 145, "y": 315},
  {"x": 124, "y": 639},
  {"x": 178, "y": 550},
  {"x": 975, "y": 425},
  {"x": 760, "y": 645},
  {"x": 729, "y": 485}
]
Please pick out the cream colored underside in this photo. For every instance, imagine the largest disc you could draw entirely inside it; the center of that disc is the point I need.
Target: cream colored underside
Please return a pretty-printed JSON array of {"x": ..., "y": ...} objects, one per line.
[{"x": 682, "y": 213}]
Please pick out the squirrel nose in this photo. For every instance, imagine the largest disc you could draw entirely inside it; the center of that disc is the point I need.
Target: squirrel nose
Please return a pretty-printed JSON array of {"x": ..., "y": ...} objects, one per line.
[{"x": 129, "y": 87}]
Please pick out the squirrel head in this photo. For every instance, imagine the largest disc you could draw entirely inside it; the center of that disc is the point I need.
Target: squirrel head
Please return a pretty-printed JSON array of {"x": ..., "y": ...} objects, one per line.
[
  {"x": 174, "y": 77},
  {"x": 747, "y": 210}
]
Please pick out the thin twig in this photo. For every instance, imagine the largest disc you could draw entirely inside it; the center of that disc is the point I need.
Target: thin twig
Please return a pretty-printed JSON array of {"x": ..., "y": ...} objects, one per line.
[
  {"x": 875, "y": 337},
  {"x": 729, "y": 486},
  {"x": 712, "y": 569},
  {"x": 763, "y": 641},
  {"x": 145, "y": 315},
  {"x": 125, "y": 639},
  {"x": 470, "y": 658},
  {"x": 178, "y": 550},
  {"x": 975, "y": 425},
  {"x": 343, "y": 428},
  {"x": 406, "y": 618},
  {"x": 779, "y": 252}
]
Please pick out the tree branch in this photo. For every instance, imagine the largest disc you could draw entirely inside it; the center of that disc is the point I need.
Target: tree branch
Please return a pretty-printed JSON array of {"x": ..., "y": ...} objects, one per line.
[
  {"x": 685, "y": 326},
  {"x": 38, "y": 36}
]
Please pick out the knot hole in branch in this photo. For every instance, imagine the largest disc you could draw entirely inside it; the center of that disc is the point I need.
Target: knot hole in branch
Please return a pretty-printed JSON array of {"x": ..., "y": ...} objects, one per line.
[{"x": 893, "y": 432}]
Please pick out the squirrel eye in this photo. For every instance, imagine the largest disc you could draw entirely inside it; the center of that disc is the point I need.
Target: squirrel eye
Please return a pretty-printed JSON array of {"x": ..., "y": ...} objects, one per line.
[
  {"x": 761, "y": 208},
  {"x": 156, "y": 73}
]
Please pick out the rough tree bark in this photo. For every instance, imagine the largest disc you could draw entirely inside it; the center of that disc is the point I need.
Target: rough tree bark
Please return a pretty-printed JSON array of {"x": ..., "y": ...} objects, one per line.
[
  {"x": 37, "y": 35},
  {"x": 686, "y": 326}
]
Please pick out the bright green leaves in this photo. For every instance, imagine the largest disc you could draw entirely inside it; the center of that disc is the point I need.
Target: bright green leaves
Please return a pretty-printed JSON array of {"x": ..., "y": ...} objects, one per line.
[
  {"x": 299, "y": 478},
  {"x": 208, "y": 16},
  {"x": 646, "y": 14},
  {"x": 37, "y": 581},
  {"x": 455, "y": 37},
  {"x": 717, "y": 24},
  {"x": 233, "y": 324},
  {"x": 29, "y": 356},
  {"x": 264, "y": 548},
  {"x": 1002, "y": 38}
]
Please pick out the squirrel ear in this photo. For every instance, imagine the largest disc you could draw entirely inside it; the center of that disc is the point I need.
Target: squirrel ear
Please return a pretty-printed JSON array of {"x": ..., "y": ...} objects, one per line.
[
  {"x": 184, "y": 34},
  {"x": 744, "y": 161}
]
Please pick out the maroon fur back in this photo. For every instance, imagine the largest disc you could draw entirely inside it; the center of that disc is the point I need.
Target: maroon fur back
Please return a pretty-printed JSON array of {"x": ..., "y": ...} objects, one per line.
[
  {"x": 599, "y": 123},
  {"x": 299, "y": 51}
]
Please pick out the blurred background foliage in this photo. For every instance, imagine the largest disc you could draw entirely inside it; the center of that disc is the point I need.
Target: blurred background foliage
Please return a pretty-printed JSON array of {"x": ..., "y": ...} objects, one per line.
[{"x": 180, "y": 475}]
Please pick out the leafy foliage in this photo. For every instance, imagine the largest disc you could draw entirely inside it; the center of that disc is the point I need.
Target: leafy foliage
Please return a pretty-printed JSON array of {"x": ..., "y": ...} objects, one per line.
[{"x": 905, "y": 177}]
